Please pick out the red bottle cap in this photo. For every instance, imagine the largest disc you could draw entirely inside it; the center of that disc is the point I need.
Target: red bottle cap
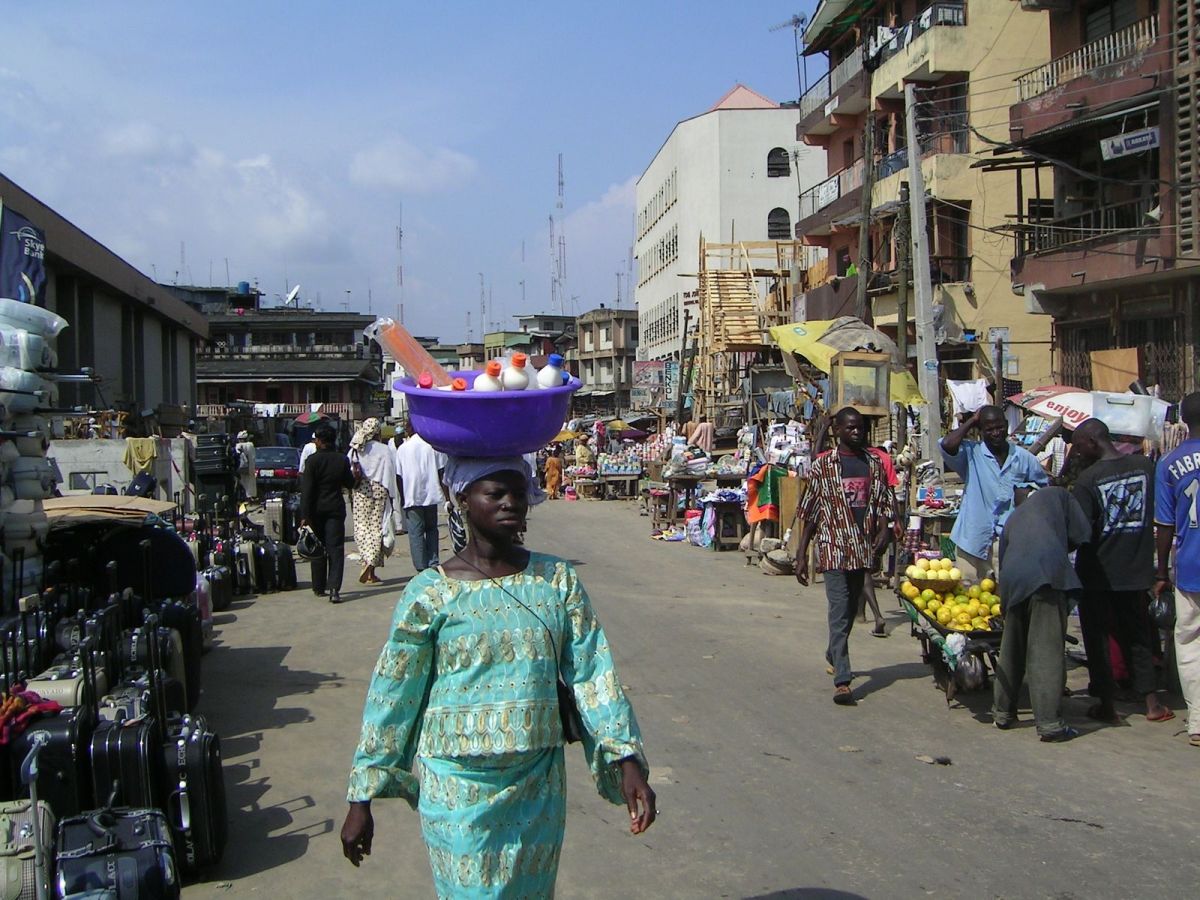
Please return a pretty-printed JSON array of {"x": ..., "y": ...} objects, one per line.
[
  {"x": 458, "y": 384},
  {"x": 425, "y": 380},
  {"x": 493, "y": 368},
  {"x": 518, "y": 360}
]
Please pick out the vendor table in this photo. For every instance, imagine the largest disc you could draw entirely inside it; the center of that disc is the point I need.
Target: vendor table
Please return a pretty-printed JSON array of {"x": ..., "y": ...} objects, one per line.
[
  {"x": 620, "y": 486},
  {"x": 729, "y": 524},
  {"x": 589, "y": 488},
  {"x": 681, "y": 487}
]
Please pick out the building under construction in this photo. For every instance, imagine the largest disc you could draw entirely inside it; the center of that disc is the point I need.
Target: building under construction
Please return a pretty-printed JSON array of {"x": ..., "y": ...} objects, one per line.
[{"x": 743, "y": 289}]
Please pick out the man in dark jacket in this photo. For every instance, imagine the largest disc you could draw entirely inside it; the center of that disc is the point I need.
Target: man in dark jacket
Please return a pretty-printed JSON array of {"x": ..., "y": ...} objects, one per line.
[
  {"x": 1038, "y": 585},
  {"x": 323, "y": 508}
]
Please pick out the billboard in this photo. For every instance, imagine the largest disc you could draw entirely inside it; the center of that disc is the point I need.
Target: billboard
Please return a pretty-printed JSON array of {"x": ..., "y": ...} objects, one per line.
[
  {"x": 647, "y": 390},
  {"x": 22, "y": 258}
]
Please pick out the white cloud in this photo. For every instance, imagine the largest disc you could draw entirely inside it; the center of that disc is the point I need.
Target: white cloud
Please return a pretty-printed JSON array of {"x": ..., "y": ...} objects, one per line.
[
  {"x": 398, "y": 164},
  {"x": 143, "y": 141}
]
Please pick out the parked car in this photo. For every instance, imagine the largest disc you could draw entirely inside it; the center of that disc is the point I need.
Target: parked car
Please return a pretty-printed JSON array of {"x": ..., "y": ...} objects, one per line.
[{"x": 276, "y": 469}]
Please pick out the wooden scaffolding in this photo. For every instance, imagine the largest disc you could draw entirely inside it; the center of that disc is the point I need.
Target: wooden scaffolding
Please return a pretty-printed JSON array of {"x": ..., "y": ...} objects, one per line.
[{"x": 744, "y": 289}]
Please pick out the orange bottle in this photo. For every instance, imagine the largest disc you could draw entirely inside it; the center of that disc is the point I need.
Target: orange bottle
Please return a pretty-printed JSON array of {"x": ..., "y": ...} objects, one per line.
[{"x": 403, "y": 347}]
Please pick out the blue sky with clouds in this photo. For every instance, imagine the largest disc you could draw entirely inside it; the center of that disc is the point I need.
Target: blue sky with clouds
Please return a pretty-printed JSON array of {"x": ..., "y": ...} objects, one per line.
[{"x": 286, "y": 136}]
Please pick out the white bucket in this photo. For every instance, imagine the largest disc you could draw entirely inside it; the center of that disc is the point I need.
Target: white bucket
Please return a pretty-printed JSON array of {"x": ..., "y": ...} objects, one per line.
[{"x": 1137, "y": 415}]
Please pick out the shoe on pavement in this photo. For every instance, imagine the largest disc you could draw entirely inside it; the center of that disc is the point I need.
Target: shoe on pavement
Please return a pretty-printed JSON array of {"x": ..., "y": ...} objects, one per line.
[
  {"x": 1059, "y": 737},
  {"x": 335, "y": 597}
]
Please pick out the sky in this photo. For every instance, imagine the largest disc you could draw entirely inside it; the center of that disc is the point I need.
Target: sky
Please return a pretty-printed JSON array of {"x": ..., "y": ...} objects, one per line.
[{"x": 291, "y": 139}]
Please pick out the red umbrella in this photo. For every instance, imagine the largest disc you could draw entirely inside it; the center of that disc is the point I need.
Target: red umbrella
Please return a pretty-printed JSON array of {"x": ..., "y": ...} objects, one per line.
[{"x": 310, "y": 418}]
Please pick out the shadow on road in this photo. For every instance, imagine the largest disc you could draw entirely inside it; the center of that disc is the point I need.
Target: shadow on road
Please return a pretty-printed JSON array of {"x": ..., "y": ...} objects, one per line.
[
  {"x": 241, "y": 709},
  {"x": 879, "y": 679},
  {"x": 807, "y": 894}
]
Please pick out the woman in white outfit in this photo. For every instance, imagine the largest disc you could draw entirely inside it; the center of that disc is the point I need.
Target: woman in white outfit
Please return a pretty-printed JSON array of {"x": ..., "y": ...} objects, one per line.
[{"x": 374, "y": 468}]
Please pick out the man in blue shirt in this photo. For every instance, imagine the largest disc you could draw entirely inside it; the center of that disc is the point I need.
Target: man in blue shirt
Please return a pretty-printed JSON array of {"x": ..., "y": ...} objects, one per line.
[
  {"x": 1177, "y": 517},
  {"x": 990, "y": 469}
]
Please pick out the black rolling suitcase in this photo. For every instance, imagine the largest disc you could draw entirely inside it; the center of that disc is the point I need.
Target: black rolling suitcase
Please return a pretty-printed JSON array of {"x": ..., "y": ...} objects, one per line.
[
  {"x": 266, "y": 565},
  {"x": 185, "y": 619},
  {"x": 285, "y": 567},
  {"x": 196, "y": 807},
  {"x": 143, "y": 485},
  {"x": 220, "y": 582},
  {"x": 64, "y": 765},
  {"x": 127, "y": 763},
  {"x": 118, "y": 854}
]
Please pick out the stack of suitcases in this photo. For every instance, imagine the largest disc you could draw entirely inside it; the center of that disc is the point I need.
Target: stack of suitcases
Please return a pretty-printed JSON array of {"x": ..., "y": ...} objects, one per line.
[{"x": 110, "y": 779}]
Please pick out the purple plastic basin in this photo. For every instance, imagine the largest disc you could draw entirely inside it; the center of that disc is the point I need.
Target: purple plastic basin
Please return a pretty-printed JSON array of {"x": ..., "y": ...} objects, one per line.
[{"x": 501, "y": 423}]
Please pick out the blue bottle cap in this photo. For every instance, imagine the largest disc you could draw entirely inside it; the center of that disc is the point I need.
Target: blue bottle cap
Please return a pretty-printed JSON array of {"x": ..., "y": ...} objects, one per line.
[{"x": 556, "y": 360}]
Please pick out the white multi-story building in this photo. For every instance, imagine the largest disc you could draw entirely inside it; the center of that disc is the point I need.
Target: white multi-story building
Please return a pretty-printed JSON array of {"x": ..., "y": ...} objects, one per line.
[{"x": 732, "y": 173}]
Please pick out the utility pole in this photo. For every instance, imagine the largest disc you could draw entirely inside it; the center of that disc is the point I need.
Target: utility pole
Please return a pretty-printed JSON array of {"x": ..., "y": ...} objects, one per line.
[
  {"x": 902, "y": 267},
  {"x": 683, "y": 361},
  {"x": 868, "y": 184},
  {"x": 927, "y": 362}
]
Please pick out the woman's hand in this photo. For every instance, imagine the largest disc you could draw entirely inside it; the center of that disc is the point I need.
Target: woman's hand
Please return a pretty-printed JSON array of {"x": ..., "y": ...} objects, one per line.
[
  {"x": 357, "y": 832},
  {"x": 637, "y": 794}
]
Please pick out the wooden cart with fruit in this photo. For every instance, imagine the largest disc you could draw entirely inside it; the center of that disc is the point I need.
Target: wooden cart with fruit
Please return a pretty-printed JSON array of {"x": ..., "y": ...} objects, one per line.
[{"x": 959, "y": 626}]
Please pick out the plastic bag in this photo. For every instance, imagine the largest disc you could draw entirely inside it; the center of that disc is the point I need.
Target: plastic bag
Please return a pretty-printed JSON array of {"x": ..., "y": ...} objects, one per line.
[
  {"x": 32, "y": 318},
  {"x": 1162, "y": 610}
]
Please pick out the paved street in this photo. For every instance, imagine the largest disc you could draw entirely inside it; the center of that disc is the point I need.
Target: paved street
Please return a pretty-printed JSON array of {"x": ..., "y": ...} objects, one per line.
[{"x": 766, "y": 789}]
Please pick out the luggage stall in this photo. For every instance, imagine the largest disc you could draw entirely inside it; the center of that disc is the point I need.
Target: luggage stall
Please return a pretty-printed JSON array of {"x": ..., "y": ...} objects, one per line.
[{"x": 109, "y": 760}]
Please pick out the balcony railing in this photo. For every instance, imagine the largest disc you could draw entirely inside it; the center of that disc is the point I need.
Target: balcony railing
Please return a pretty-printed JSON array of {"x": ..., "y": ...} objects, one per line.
[
  {"x": 888, "y": 42},
  {"x": 817, "y": 198},
  {"x": 830, "y": 83},
  {"x": 1111, "y": 221},
  {"x": 1101, "y": 52},
  {"x": 348, "y": 411}
]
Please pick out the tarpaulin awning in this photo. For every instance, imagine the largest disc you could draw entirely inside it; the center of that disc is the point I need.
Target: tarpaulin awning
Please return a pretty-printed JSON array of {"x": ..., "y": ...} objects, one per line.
[
  {"x": 72, "y": 510},
  {"x": 814, "y": 342}
]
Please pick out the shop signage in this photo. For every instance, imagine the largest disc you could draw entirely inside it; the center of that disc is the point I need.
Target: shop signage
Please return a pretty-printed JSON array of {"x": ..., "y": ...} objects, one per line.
[{"x": 1130, "y": 143}]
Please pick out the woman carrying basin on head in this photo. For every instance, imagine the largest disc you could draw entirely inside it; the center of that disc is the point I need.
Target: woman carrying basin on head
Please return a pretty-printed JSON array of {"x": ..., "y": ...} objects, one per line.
[{"x": 463, "y": 717}]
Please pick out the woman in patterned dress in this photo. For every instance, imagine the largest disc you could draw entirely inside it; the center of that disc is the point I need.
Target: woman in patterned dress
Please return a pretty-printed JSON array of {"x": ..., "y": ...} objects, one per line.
[
  {"x": 462, "y": 716},
  {"x": 372, "y": 491}
]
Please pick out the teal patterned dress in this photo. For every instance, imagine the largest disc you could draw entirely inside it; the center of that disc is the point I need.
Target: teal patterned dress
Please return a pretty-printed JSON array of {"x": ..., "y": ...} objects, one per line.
[{"x": 461, "y": 720}]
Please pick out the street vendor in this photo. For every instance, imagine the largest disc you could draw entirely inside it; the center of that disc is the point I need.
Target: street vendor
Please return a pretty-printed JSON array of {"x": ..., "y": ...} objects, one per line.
[
  {"x": 990, "y": 468},
  {"x": 583, "y": 453}
]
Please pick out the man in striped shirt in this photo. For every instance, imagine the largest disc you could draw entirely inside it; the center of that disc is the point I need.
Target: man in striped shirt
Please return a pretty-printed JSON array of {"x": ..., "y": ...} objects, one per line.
[{"x": 849, "y": 508}]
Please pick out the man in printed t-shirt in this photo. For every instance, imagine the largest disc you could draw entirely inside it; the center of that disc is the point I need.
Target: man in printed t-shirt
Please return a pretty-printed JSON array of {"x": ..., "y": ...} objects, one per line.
[
  {"x": 848, "y": 508},
  {"x": 1116, "y": 568},
  {"x": 1177, "y": 515}
]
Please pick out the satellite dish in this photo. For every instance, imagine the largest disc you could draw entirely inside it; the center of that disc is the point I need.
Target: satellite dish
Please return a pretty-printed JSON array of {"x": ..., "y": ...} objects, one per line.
[{"x": 292, "y": 294}]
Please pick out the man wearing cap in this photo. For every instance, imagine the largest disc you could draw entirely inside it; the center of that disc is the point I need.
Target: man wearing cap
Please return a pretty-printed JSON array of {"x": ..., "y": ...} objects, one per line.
[{"x": 989, "y": 468}]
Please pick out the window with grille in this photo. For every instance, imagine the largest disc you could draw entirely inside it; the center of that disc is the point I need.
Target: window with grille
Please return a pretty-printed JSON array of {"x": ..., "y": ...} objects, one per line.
[
  {"x": 1102, "y": 19},
  {"x": 779, "y": 225},
  {"x": 777, "y": 164}
]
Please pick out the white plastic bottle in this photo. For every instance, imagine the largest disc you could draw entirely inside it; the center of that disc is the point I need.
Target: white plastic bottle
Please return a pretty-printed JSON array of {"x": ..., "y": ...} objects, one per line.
[
  {"x": 551, "y": 375},
  {"x": 515, "y": 376},
  {"x": 489, "y": 379}
]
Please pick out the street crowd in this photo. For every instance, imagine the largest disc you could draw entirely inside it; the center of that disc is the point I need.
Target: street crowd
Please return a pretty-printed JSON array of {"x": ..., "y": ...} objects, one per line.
[{"x": 1117, "y": 536}]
